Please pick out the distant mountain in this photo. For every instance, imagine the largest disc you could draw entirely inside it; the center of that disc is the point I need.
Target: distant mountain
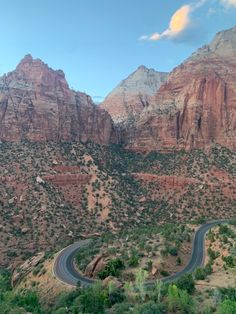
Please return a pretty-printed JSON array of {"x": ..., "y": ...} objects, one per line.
[
  {"x": 192, "y": 107},
  {"x": 196, "y": 107},
  {"x": 37, "y": 104},
  {"x": 132, "y": 95}
]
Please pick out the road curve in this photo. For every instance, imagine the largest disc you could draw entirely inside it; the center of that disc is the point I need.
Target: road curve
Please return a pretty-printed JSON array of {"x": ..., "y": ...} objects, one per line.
[{"x": 65, "y": 271}]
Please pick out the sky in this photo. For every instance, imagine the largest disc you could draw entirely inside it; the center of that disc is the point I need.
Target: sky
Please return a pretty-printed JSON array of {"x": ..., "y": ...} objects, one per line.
[{"x": 98, "y": 43}]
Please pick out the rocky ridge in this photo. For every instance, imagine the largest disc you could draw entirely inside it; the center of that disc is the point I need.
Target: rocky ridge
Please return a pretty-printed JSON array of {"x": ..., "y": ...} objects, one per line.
[
  {"x": 37, "y": 104},
  {"x": 132, "y": 95},
  {"x": 196, "y": 107}
]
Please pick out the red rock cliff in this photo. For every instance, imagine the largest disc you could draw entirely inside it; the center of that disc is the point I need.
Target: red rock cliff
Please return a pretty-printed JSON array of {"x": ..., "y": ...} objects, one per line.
[
  {"x": 196, "y": 107},
  {"x": 37, "y": 104}
]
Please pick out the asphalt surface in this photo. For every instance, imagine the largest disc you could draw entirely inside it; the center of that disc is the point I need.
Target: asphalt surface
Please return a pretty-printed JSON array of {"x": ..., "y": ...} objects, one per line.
[
  {"x": 64, "y": 268},
  {"x": 66, "y": 272}
]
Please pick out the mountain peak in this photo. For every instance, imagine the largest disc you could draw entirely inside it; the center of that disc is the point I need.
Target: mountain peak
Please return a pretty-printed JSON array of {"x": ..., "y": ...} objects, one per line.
[
  {"x": 129, "y": 98},
  {"x": 222, "y": 45},
  {"x": 37, "y": 104},
  {"x": 142, "y": 68},
  {"x": 29, "y": 66},
  {"x": 27, "y": 58},
  {"x": 142, "y": 81}
]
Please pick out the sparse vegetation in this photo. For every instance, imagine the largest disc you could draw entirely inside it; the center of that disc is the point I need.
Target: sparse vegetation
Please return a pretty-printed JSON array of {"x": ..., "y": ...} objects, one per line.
[
  {"x": 127, "y": 202},
  {"x": 132, "y": 298}
]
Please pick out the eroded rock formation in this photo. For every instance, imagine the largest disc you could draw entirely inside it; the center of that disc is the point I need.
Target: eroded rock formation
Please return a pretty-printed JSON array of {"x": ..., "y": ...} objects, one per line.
[
  {"x": 196, "y": 107},
  {"x": 68, "y": 179},
  {"x": 132, "y": 95},
  {"x": 37, "y": 104}
]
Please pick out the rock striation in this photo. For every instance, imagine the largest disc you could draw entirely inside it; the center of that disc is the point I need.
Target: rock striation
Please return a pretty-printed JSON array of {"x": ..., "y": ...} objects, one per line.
[
  {"x": 68, "y": 179},
  {"x": 132, "y": 95},
  {"x": 170, "y": 181},
  {"x": 37, "y": 104},
  {"x": 196, "y": 107}
]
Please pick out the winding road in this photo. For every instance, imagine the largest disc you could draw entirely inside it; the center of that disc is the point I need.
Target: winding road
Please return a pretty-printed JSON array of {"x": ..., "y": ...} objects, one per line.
[{"x": 65, "y": 271}]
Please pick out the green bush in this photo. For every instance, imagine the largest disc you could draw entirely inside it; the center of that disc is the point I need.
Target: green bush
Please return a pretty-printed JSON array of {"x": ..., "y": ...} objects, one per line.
[
  {"x": 164, "y": 273},
  {"x": 200, "y": 273},
  {"x": 213, "y": 254},
  {"x": 179, "y": 301},
  {"x": 150, "y": 308},
  {"x": 134, "y": 259},
  {"x": 173, "y": 251},
  {"x": 208, "y": 268},
  {"x": 187, "y": 283},
  {"x": 229, "y": 261},
  {"x": 112, "y": 268},
  {"x": 227, "y": 307},
  {"x": 92, "y": 300}
]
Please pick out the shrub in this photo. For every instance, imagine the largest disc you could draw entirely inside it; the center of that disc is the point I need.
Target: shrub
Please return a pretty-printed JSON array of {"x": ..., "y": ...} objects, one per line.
[
  {"x": 227, "y": 307},
  {"x": 208, "y": 268},
  {"x": 150, "y": 308},
  {"x": 200, "y": 274},
  {"x": 173, "y": 251},
  {"x": 187, "y": 283},
  {"x": 164, "y": 273},
  {"x": 178, "y": 261},
  {"x": 213, "y": 254},
  {"x": 179, "y": 301},
  {"x": 134, "y": 259},
  {"x": 92, "y": 300},
  {"x": 112, "y": 268},
  {"x": 229, "y": 261}
]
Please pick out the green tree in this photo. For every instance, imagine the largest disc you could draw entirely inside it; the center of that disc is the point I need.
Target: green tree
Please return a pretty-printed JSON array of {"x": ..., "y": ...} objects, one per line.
[
  {"x": 173, "y": 298},
  {"x": 186, "y": 303},
  {"x": 186, "y": 282},
  {"x": 115, "y": 295},
  {"x": 157, "y": 291},
  {"x": 140, "y": 279},
  {"x": 179, "y": 301},
  {"x": 29, "y": 301},
  {"x": 112, "y": 268},
  {"x": 92, "y": 300},
  {"x": 227, "y": 307}
]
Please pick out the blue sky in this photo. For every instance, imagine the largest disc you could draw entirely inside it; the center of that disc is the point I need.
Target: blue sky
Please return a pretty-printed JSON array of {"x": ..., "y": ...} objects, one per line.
[{"x": 98, "y": 43}]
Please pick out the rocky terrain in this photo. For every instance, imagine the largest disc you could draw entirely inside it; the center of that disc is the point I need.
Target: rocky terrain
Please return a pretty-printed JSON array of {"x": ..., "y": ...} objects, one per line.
[
  {"x": 53, "y": 194},
  {"x": 192, "y": 107},
  {"x": 196, "y": 107},
  {"x": 66, "y": 172},
  {"x": 132, "y": 95},
  {"x": 37, "y": 104}
]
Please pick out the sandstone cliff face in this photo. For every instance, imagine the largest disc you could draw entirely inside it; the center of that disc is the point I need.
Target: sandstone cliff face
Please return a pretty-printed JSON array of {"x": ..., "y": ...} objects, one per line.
[
  {"x": 196, "y": 107},
  {"x": 132, "y": 95},
  {"x": 37, "y": 104}
]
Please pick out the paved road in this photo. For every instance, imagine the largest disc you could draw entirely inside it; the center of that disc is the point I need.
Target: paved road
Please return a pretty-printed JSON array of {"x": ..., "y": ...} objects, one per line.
[
  {"x": 65, "y": 271},
  {"x": 64, "y": 268}
]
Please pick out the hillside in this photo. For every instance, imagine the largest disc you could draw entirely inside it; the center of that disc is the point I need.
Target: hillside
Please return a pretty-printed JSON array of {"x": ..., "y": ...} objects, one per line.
[{"x": 53, "y": 194}]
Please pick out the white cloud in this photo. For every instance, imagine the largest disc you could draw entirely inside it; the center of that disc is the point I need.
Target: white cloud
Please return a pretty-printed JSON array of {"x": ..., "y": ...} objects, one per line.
[
  {"x": 143, "y": 37},
  {"x": 155, "y": 36},
  {"x": 179, "y": 22},
  {"x": 229, "y": 3}
]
